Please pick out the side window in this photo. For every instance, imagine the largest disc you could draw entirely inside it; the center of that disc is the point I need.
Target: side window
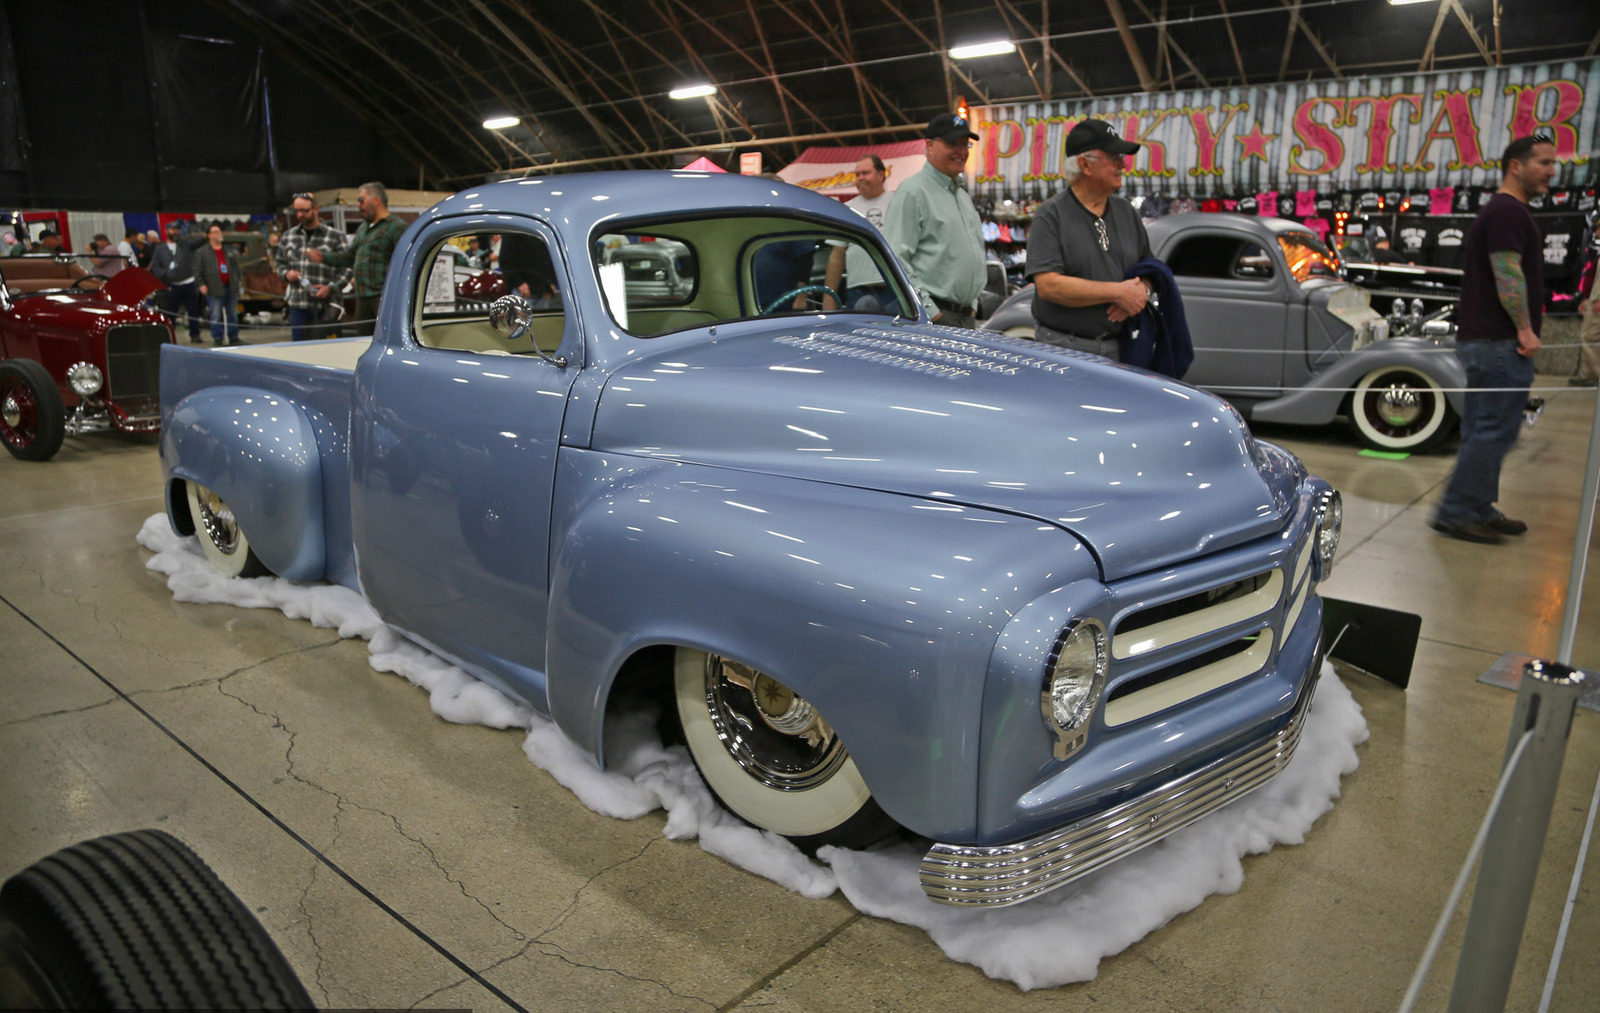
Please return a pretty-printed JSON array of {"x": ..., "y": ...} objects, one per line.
[
  {"x": 454, "y": 295},
  {"x": 1219, "y": 257},
  {"x": 1254, "y": 262}
]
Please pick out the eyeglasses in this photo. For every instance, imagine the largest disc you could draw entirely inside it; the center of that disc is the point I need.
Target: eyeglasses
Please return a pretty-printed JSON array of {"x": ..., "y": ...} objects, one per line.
[
  {"x": 303, "y": 196},
  {"x": 1113, "y": 159}
]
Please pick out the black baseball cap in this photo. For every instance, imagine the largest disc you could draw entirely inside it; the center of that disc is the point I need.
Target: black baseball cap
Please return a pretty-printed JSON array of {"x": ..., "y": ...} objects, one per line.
[
  {"x": 1097, "y": 135},
  {"x": 948, "y": 127}
]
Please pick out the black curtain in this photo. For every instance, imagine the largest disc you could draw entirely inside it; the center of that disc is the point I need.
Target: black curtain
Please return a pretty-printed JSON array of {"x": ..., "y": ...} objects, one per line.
[{"x": 208, "y": 100}]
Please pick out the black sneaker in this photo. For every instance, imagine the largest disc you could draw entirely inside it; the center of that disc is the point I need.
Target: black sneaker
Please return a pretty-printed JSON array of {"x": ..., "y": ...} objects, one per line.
[{"x": 1469, "y": 531}]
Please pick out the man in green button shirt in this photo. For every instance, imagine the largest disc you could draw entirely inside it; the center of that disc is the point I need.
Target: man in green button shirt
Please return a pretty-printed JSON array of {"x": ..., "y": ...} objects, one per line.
[
  {"x": 369, "y": 251},
  {"x": 934, "y": 229}
]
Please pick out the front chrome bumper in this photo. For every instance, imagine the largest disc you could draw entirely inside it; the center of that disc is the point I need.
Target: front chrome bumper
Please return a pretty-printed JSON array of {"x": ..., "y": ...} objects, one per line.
[{"x": 1011, "y": 873}]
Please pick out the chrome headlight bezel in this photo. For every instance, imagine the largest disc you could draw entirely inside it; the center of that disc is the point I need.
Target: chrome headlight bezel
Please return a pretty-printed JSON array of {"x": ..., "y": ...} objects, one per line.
[
  {"x": 1330, "y": 521},
  {"x": 1074, "y": 681},
  {"x": 85, "y": 379}
]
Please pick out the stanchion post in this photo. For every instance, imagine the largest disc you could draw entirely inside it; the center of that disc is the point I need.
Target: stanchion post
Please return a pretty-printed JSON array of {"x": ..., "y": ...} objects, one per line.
[{"x": 1545, "y": 705}]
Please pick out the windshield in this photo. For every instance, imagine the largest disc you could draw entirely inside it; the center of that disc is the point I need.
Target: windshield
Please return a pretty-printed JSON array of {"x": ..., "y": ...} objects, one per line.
[
  {"x": 1307, "y": 256},
  {"x": 662, "y": 276}
]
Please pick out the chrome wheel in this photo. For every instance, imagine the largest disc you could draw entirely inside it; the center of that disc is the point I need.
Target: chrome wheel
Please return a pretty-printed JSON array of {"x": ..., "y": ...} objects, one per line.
[
  {"x": 32, "y": 418},
  {"x": 221, "y": 538},
  {"x": 775, "y": 736},
  {"x": 770, "y": 756},
  {"x": 1399, "y": 408}
]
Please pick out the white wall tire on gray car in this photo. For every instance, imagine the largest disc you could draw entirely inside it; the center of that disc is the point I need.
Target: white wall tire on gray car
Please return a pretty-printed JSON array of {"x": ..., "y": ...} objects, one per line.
[
  {"x": 1400, "y": 408},
  {"x": 770, "y": 757},
  {"x": 224, "y": 543}
]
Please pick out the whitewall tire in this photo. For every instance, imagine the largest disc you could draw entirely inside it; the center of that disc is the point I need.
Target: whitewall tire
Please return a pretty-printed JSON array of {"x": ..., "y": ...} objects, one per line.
[
  {"x": 1400, "y": 408},
  {"x": 770, "y": 757},
  {"x": 224, "y": 543}
]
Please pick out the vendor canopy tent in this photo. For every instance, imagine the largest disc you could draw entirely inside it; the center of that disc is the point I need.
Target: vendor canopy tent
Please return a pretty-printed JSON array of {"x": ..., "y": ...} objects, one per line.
[
  {"x": 832, "y": 171},
  {"x": 704, "y": 164}
]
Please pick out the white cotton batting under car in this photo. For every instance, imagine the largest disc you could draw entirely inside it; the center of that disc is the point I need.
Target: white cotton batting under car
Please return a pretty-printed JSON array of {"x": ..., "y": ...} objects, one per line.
[{"x": 1052, "y": 940}]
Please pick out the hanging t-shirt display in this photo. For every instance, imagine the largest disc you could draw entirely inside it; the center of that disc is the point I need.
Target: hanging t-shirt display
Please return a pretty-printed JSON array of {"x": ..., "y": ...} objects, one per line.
[
  {"x": 1267, "y": 203},
  {"x": 1320, "y": 226},
  {"x": 1465, "y": 202},
  {"x": 1447, "y": 249},
  {"x": 1247, "y": 205},
  {"x": 1563, "y": 246},
  {"x": 1440, "y": 199},
  {"x": 1305, "y": 203},
  {"x": 1411, "y": 239},
  {"x": 1370, "y": 200},
  {"x": 1288, "y": 206}
]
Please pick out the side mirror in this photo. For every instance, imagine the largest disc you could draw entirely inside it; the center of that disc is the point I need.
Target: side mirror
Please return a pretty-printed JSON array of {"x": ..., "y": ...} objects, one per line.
[{"x": 511, "y": 316}]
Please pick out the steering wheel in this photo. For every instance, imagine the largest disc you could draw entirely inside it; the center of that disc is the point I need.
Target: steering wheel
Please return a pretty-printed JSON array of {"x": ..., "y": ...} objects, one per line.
[
  {"x": 79, "y": 282},
  {"x": 789, "y": 296}
]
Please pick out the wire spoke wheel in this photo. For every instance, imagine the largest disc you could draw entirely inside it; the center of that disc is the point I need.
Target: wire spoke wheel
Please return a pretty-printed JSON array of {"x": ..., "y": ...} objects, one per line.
[
  {"x": 770, "y": 756},
  {"x": 32, "y": 417}
]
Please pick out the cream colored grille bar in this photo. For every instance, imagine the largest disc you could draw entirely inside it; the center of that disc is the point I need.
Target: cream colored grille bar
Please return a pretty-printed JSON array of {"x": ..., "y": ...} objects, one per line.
[{"x": 1199, "y": 622}]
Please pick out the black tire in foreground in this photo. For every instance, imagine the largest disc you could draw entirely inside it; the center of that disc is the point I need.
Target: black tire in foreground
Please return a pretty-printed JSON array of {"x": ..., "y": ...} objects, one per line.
[{"x": 135, "y": 920}]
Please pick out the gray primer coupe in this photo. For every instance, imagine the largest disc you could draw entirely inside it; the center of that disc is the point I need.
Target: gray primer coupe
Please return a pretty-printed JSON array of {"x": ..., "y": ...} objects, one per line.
[{"x": 1279, "y": 333}]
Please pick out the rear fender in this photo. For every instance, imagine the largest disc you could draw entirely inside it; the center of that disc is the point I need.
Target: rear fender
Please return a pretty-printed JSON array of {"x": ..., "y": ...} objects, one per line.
[
  {"x": 1325, "y": 394},
  {"x": 258, "y": 451}
]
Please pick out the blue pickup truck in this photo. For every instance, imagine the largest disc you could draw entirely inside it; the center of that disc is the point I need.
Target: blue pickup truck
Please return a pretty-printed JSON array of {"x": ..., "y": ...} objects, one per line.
[{"x": 1036, "y": 608}]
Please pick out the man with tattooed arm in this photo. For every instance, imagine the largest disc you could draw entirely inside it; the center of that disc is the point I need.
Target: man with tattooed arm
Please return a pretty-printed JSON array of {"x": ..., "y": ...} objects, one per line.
[{"x": 1498, "y": 320}]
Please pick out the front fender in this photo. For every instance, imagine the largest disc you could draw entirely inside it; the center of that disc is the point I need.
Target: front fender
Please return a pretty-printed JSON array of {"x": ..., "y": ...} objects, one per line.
[
  {"x": 881, "y": 609},
  {"x": 258, "y": 451},
  {"x": 1321, "y": 399}
]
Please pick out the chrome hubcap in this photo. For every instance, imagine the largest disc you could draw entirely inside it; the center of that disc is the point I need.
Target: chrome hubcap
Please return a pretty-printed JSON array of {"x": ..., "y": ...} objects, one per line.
[
  {"x": 10, "y": 411},
  {"x": 217, "y": 519},
  {"x": 1401, "y": 406},
  {"x": 774, "y": 735}
]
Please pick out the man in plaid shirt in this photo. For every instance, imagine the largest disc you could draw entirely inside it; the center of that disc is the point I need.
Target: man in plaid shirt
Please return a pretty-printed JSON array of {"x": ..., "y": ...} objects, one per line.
[
  {"x": 311, "y": 285},
  {"x": 369, "y": 251}
]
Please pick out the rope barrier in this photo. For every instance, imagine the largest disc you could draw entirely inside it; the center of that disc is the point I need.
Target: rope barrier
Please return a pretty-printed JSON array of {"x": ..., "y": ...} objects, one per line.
[{"x": 1409, "y": 1002}]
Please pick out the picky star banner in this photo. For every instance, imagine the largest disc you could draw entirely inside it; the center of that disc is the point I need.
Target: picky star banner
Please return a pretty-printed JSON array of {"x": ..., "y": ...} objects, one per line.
[{"x": 1385, "y": 132}]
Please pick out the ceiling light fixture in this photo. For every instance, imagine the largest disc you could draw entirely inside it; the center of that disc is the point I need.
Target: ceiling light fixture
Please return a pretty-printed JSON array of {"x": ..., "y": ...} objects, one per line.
[
  {"x": 692, "y": 91},
  {"x": 996, "y": 48},
  {"x": 1402, "y": 3},
  {"x": 501, "y": 122}
]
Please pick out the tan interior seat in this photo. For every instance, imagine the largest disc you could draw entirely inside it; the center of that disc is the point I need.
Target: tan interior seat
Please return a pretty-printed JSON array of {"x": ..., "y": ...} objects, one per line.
[{"x": 29, "y": 274}]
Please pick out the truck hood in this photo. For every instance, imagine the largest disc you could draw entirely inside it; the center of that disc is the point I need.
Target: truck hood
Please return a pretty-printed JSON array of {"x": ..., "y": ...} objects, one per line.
[{"x": 1146, "y": 471}]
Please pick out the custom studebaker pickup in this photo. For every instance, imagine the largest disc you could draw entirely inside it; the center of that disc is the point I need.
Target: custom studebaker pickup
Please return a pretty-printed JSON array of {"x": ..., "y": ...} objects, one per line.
[{"x": 1037, "y": 608}]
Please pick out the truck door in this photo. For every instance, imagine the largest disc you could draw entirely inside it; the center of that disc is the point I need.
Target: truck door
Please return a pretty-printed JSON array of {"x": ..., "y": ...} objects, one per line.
[
  {"x": 1233, "y": 298},
  {"x": 455, "y": 432}
]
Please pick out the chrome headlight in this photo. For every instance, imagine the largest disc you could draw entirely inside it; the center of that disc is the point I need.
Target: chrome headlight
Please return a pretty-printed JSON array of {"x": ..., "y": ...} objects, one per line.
[
  {"x": 85, "y": 379},
  {"x": 1330, "y": 518},
  {"x": 1073, "y": 683}
]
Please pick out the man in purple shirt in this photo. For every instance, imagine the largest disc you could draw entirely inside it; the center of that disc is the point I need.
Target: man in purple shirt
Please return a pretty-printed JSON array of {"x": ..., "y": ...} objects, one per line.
[{"x": 1498, "y": 319}]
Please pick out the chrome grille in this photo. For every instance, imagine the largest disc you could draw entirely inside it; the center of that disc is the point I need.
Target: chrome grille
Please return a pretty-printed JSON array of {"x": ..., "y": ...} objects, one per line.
[
  {"x": 1011, "y": 873},
  {"x": 133, "y": 361}
]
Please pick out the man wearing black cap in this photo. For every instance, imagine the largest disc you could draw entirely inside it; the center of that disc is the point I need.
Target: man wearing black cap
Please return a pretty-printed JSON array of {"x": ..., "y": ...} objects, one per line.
[
  {"x": 1081, "y": 245},
  {"x": 933, "y": 228}
]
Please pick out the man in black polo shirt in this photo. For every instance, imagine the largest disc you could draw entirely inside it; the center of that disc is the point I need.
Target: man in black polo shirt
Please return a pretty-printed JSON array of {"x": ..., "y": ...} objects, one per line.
[
  {"x": 1498, "y": 320},
  {"x": 1081, "y": 245}
]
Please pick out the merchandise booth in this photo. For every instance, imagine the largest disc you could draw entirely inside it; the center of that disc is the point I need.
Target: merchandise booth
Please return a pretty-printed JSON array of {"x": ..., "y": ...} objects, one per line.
[{"x": 1403, "y": 159}]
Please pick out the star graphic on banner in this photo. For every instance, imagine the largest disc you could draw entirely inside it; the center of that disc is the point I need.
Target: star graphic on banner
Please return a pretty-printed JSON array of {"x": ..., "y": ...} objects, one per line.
[{"x": 1255, "y": 143}]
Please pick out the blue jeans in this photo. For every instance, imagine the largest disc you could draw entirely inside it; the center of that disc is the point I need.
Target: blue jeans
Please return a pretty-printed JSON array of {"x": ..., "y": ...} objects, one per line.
[
  {"x": 221, "y": 309},
  {"x": 305, "y": 324},
  {"x": 185, "y": 298},
  {"x": 1490, "y": 422}
]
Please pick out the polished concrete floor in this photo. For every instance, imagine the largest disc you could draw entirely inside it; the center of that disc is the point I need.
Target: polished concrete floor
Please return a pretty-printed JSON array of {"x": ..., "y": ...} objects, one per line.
[{"x": 387, "y": 851}]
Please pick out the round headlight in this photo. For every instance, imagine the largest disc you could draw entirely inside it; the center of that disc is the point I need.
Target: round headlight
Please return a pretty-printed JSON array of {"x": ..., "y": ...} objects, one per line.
[
  {"x": 1074, "y": 682},
  {"x": 85, "y": 379},
  {"x": 1328, "y": 526}
]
